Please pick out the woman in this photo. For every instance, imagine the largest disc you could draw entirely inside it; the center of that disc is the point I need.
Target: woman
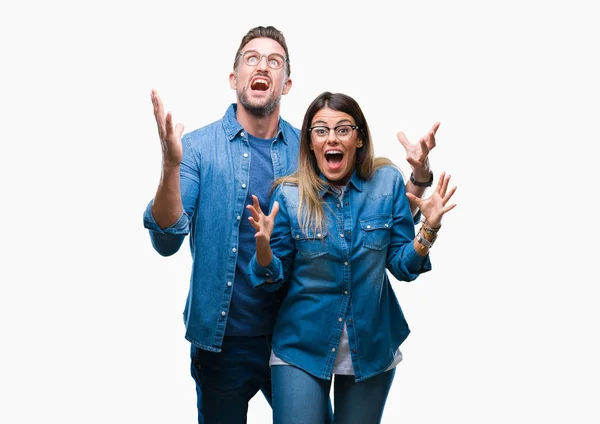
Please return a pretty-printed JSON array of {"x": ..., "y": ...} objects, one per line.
[{"x": 335, "y": 227}]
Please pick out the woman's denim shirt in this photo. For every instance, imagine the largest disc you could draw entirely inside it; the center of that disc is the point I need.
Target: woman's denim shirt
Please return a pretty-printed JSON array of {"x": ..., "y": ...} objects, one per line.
[
  {"x": 339, "y": 275},
  {"x": 214, "y": 179}
]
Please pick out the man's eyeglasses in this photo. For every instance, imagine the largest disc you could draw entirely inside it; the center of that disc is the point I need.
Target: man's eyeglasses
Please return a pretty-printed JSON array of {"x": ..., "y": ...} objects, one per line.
[
  {"x": 342, "y": 132},
  {"x": 253, "y": 58}
]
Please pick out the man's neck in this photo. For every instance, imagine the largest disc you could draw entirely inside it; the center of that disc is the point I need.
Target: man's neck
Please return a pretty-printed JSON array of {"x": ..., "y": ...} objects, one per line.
[{"x": 261, "y": 127}]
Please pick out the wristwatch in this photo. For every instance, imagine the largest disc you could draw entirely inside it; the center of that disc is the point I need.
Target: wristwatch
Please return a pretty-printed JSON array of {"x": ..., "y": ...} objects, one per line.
[
  {"x": 424, "y": 241},
  {"x": 422, "y": 184}
]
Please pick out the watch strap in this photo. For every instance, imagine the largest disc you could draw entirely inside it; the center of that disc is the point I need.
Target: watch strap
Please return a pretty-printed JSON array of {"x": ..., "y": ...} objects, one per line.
[
  {"x": 422, "y": 184},
  {"x": 424, "y": 241}
]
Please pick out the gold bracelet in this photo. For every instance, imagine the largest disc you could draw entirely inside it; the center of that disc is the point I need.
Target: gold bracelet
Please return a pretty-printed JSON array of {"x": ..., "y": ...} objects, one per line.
[{"x": 430, "y": 230}]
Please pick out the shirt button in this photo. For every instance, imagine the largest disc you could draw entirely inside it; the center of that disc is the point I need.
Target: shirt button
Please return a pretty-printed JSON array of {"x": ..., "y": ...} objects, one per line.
[
  {"x": 245, "y": 155},
  {"x": 238, "y": 217},
  {"x": 386, "y": 225},
  {"x": 345, "y": 291},
  {"x": 368, "y": 226},
  {"x": 297, "y": 236},
  {"x": 267, "y": 274},
  {"x": 318, "y": 234},
  {"x": 234, "y": 250},
  {"x": 333, "y": 349},
  {"x": 223, "y": 313},
  {"x": 346, "y": 263},
  {"x": 242, "y": 133},
  {"x": 342, "y": 235},
  {"x": 349, "y": 319},
  {"x": 349, "y": 232},
  {"x": 340, "y": 320},
  {"x": 338, "y": 205},
  {"x": 347, "y": 203},
  {"x": 229, "y": 284},
  {"x": 243, "y": 185}
]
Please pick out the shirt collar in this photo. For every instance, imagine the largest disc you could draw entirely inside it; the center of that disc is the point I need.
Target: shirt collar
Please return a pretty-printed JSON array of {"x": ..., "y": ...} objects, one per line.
[
  {"x": 232, "y": 127},
  {"x": 354, "y": 180}
]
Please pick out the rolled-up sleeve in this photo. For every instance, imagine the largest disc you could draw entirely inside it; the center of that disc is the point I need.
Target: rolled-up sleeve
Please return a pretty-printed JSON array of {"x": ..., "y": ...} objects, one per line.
[
  {"x": 273, "y": 276},
  {"x": 269, "y": 278},
  {"x": 403, "y": 261},
  {"x": 166, "y": 241}
]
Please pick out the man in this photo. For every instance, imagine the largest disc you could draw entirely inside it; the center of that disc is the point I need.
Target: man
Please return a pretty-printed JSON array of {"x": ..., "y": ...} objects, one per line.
[{"x": 208, "y": 177}]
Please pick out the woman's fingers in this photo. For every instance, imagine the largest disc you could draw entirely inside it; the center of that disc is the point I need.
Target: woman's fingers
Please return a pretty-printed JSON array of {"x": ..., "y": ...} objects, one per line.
[
  {"x": 449, "y": 195},
  {"x": 274, "y": 210}
]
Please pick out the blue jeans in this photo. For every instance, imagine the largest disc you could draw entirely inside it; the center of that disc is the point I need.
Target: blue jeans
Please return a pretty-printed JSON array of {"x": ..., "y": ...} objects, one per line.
[
  {"x": 226, "y": 381},
  {"x": 301, "y": 398}
]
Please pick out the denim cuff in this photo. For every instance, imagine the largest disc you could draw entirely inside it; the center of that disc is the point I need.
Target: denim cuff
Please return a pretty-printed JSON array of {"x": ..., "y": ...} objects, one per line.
[
  {"x": 416, "y": 263},
  {"x": 265, "y": 277},
  {"x": 180, "y": 227}
]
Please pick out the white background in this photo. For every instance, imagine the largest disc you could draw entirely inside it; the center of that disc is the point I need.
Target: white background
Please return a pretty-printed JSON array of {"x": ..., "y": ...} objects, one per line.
[{"x": 505, "y": 327}]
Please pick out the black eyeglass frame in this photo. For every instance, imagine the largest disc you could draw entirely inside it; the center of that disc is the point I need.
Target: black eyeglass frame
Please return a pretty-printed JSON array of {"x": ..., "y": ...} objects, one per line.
[{"x": 354, "y": 128}]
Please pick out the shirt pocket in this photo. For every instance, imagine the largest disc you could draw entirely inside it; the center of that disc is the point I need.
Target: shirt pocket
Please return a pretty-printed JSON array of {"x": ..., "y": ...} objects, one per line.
[
  {"x": 376, "y": 231},
  {"x": 311, "y": 244}
]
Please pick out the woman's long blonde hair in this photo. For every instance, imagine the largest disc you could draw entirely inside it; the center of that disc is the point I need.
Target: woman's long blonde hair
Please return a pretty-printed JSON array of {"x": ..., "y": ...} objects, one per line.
[{"x": 307, "y": 177}]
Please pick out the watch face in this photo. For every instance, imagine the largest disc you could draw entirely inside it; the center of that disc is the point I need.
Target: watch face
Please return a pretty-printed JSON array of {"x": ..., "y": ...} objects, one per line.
[{"x": 423, "y": 240}]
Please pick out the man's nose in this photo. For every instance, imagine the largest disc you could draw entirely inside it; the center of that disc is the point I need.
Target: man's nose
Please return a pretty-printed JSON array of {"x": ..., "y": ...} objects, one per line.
[{"x": 260, "y": 62}]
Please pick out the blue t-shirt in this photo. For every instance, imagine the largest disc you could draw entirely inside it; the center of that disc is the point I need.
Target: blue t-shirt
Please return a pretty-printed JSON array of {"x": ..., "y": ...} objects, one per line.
[
  {"x": 215, "y": 172},
  {"x": 252, "y": 313}
]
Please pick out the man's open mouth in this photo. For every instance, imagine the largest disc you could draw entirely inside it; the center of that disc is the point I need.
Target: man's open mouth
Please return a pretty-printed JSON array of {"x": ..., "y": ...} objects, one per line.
[{"x": 260, "y": 84}]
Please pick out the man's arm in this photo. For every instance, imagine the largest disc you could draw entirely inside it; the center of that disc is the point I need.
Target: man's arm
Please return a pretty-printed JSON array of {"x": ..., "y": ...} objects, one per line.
[
  {"x": 167, "y": 206},
  {"x": 417, "y": 155}
]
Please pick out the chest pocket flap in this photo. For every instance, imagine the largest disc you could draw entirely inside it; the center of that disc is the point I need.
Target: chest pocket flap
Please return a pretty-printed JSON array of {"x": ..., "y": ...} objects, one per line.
[
  {"x": 376, "y": 231},
  {"x": 311, "y": 243}
]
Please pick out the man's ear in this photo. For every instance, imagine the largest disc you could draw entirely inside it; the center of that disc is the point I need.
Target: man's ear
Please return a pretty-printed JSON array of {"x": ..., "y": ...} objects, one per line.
[
  {"x": 233, "y": 81},
  {"x": 287, "y": 86}
]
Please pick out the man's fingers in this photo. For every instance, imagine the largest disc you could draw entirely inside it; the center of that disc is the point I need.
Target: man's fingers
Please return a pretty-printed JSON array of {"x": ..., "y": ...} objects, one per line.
[
  {"x": 156, "y": 102},
  {"x": 424, "y": 145},
  {"x": 159, "y": 113},
  {"x": 431, "y": 138},
  {"x": 157, "y": 105},
  {"x": 178, "y": 130},
  {"x": 402, "y": 139},
  {"x": 413, "y": 162},
  {"x": 168, "y": 124}
]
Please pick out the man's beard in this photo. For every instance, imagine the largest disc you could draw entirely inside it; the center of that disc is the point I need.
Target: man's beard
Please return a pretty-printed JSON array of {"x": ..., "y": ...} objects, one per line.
[{"x": 260, "y": 111}]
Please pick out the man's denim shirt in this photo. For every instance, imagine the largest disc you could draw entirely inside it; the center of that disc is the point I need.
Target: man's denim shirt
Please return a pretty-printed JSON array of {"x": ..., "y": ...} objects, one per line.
[
  {"x": 214, "y": 178},
  {"x": 339, "y": 275}
]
